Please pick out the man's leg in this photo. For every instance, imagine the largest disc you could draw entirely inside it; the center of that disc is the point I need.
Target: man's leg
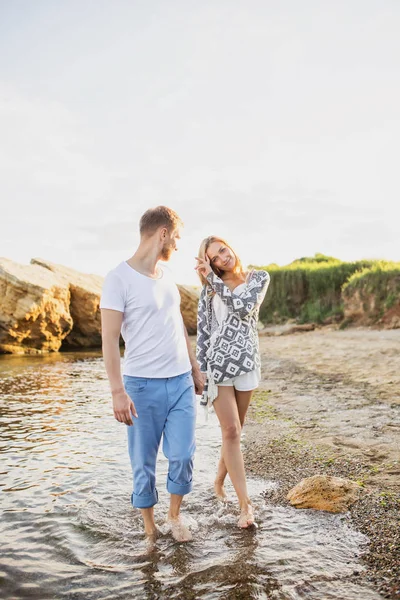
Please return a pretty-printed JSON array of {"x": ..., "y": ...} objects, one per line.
[
  {"x": 144, "y": 438},
  {"x": 148, "y": 521},
  {"x": 179, "y": 446},
  {"x": 174, "y": 506}
]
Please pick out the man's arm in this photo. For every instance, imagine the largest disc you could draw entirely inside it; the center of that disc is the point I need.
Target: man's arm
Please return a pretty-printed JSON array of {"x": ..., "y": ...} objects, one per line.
[
  {"x": 198, "y": 376},
  {"x": 111, "y": 321}
]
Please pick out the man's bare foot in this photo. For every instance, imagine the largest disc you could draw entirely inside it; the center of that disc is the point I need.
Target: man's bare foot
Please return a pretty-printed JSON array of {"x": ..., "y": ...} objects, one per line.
[
  {"x": 180, "y": 532},
  {"x": 151, "y": 538},
  {"x": 220, "y": 491},
  {"x": 246, "y": 518}
]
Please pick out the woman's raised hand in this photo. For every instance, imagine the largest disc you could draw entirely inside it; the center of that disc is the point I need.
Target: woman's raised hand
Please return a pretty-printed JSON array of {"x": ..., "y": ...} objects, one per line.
[{"x": 203, "y": 266}]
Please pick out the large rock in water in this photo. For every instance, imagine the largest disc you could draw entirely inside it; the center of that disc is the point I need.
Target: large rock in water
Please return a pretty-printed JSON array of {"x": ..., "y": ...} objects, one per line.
[
  {"x": 44, "y": 306},
  {"x": 85, "y": 291},
  {"x": 323, "y": 492},
  {"x": 189, "y": 302},
  {"x": 85, "y": 300},
  {"x": 34, "y": 309}
]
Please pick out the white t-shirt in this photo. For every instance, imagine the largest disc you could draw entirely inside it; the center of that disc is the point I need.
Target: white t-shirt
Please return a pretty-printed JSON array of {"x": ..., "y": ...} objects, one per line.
[{"x": 152, "y": 325}]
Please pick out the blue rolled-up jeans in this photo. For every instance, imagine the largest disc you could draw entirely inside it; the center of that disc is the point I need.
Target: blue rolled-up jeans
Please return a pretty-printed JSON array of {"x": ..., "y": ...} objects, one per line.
[{"x": 166, "y": 407}]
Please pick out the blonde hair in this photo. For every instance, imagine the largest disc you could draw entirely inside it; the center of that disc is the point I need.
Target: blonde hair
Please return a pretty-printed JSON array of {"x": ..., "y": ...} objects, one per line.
[{"x": 205, "y": 244}]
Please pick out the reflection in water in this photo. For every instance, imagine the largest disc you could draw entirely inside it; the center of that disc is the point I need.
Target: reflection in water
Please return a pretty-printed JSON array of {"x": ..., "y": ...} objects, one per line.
[{"x": 69, "y": 531}]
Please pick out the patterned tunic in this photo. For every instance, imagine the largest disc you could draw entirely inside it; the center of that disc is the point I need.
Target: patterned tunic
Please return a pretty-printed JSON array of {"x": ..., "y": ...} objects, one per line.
[{"x": 230, "y": 349}]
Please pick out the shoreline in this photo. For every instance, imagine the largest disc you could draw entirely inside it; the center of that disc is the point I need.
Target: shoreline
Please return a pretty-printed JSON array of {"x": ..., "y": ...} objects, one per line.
[{"x": 328, "y": 404}]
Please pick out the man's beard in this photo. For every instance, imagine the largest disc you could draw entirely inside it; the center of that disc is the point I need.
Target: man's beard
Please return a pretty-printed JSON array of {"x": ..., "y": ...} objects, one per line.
[{"x": 166, "y": 253}]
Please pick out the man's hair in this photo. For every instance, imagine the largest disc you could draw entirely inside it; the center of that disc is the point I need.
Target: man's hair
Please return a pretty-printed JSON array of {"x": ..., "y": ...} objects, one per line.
[{"x": 161, "y": 216}]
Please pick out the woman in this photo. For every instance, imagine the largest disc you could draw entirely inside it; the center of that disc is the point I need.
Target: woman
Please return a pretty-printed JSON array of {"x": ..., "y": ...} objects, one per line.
[{"x": 228, "y": 352}]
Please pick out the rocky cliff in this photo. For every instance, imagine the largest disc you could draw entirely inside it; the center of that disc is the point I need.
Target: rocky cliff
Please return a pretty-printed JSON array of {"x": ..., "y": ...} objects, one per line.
[{"x": 45, "y": 307}]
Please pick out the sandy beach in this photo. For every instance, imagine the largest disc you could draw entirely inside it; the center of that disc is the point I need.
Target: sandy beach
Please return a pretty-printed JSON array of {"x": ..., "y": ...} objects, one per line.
[{"x": 329, "y": 403}]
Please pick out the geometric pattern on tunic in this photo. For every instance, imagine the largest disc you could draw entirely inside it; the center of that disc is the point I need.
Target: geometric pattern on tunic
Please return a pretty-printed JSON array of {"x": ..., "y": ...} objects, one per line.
[{"x": 235, "y": 341}]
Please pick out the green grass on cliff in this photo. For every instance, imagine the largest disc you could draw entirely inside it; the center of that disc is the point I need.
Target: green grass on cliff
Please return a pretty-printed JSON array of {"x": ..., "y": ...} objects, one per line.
[
  {"x": 378, "y": 286},
  {"x": 310, "y": 288}
]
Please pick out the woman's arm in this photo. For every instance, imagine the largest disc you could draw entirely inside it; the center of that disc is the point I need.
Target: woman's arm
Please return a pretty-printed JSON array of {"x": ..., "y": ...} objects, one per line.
[
  {"x": 203, "y": 331},
  {"x": 247, "y": 301}
]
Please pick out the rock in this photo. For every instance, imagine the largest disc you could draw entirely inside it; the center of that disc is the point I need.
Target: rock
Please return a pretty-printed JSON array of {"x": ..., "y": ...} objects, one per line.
[
  {"x": 45, "y": 307},
  {"x": 355, "y": 307},
  {"x": 299, "y": 328},
  {"x": 189, "y": 301},
  {"x": 275, "y": 330},
  {"x": 370, "y": 307},
  {"x": 85, "y": 291},
  {"x": 34, "y": 309},
  {"x": 391, "y": 319},
  {"x": 323, "y": 492},
  {"x": 286, "y": 329},
  {"x": 85, "y": 300}
]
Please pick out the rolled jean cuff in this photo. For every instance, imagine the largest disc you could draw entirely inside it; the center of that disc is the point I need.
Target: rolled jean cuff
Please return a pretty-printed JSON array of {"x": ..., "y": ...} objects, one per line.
[
  {"x": 144, "y": 501},
  {"x": 177, "y": 488}
]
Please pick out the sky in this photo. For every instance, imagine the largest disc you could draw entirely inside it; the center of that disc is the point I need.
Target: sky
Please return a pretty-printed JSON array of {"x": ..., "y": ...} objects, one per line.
[{"x": 273, "y": 124}]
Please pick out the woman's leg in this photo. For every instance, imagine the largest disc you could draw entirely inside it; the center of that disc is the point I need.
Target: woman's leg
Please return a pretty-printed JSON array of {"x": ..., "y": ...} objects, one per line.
[
  {"x": 226, "y": 408},
  {"x": 243, "y": 402}
]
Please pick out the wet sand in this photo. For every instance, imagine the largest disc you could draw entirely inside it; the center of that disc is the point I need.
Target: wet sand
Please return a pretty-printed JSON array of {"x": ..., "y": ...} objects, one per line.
[{"x": 329, "y": 402}]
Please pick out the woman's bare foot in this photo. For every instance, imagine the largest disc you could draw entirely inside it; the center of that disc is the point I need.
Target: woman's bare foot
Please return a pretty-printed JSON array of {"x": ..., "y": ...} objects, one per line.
[
  {"x": 246, "y": 518},
  {"x": 180, "y": 532},
  {"x": 220, "y": 491}
]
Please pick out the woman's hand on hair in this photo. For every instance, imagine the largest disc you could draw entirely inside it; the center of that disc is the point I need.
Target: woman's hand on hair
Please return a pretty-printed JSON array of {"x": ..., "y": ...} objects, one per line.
[{"x": 204, "y": 266}]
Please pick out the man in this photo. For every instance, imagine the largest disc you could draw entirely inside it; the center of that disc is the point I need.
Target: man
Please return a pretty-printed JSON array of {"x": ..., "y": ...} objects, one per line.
[{"x": 141, "y": 301}]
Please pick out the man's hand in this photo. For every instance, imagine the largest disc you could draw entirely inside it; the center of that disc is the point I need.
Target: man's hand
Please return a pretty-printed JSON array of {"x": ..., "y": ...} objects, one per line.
[
  {"x": 199, "y": 380},
  {"x": 123, "y": 407}
]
